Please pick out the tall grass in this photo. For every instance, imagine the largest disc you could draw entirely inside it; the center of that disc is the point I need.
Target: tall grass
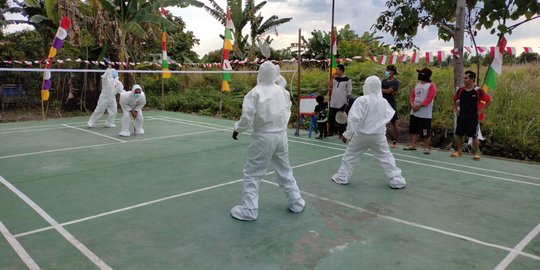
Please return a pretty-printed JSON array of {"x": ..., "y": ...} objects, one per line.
[{"x": 512, "y": 126}]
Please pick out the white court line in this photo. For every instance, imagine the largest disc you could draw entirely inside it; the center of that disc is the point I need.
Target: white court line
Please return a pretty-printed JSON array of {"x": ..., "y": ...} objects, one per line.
[
  {"x": 52, "y": 126},
  {"x": 395, "y": 154},
  {"x": 31, "y": 130},
  {"x": 398, "y": 220},
  {"x": 103, "y": 144},
  {"x": 68, "y": 236},
  {"x": 95, "y": 133},
  {"x": 25, "y": 257},
  {"x": 443, "y": 162},
  {"x": 518, "y": 248},
  {"x": 466, "y": 238},
  {"x": 159, "y": 200}
]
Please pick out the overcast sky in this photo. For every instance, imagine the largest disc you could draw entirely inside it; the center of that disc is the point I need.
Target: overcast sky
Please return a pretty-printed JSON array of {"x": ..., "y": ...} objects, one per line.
[{"x": 309, "y": 15}]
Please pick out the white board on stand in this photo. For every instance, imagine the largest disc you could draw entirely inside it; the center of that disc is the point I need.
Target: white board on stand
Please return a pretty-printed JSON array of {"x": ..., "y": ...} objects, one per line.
[{"x": 307, "y": 105}]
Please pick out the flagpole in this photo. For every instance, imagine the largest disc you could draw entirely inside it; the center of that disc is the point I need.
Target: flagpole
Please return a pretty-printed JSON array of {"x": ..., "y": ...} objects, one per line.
[{"x": 330, "y": 75}]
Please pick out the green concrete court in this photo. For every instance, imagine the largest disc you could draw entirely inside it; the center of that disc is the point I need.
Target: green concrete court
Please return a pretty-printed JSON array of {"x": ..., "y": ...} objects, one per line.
[{"x": 78, "y": 198}]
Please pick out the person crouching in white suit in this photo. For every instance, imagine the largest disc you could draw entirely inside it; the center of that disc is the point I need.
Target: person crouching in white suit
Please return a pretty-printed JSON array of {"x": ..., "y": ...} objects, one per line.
[
  {"x": 366, "y": 128},
  {"x": 266, "y": 109},
  {"x": 110, "y": 87},
  {"x": 132, "y": 103}
]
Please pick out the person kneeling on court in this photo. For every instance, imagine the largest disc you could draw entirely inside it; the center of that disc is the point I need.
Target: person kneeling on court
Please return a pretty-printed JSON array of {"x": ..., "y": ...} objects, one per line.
[
  {"x": 267, "y": 109},
  {"x": 366, "y": 129},
  {"x": 132, "y": 103}
]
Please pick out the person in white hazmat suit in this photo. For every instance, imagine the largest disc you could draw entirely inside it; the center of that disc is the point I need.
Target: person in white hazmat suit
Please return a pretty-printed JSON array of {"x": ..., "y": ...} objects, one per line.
[
  {"x": 132, "y": 103},
  {"x": 266, "y": 109},
  {"x": 280, "y": 80},
  {"x": 110, "y": 87},
  {"x": 366, "y": 128}
]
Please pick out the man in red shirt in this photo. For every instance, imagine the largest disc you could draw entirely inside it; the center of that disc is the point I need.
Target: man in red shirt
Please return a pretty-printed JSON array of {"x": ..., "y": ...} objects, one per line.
[{"x": 472, "y": 102}]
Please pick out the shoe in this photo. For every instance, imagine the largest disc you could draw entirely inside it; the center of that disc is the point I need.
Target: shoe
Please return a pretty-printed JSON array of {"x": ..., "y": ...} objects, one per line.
[
  {"x": 334, "y": 179},
  {"x": 140, "y": 132},
  {"x": 408, "y": 148},
  {"x": 110, "y": 125},
  {"x": 456, "y": 154},
  {"x": 124, "y": 134},
  {"x": 318, "y": 137},
  {"x": 241, "y": 213},
  {"x": 90, "y": 125},
  {"x": 397, "y": 182},
  {"x": 394, "y": 144},
  {"x": 426, "y": 152},
  {"x": 476, "y": 157},
  {"x": 298, "y": 206}
]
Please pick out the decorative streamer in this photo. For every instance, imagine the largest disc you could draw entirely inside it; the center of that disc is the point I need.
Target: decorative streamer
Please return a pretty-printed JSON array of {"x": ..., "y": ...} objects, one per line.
[
  {"x": 58, "y": 41},
  {"x": 164, "y": 59},
  {"x": 227, "y": 47}
]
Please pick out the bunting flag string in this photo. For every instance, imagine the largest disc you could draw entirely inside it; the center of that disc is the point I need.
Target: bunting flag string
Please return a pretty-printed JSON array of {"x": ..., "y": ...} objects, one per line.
[{"x": 58, "y": 41}]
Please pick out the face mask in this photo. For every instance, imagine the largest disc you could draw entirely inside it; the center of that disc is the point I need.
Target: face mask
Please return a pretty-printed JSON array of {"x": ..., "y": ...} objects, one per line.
[
  {"x": 136, "y": 96},
  {"x": 387, "y": 74},
  {"x": 114, "y": 73}
]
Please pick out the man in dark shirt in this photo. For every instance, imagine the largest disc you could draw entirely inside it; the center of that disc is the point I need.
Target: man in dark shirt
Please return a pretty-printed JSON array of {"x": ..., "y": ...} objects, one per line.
[
  {"x": 390, "y": 86},
  {"x": 472, "y": 102}
]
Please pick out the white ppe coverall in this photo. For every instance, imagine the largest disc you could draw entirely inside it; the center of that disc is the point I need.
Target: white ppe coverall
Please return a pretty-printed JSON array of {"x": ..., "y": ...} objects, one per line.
[
  {"x": 129, "y": 102},
  {"x": 366, "y": 128},
  {"x": 110, "y": 87},
  {"x": 266, "y": 108}
]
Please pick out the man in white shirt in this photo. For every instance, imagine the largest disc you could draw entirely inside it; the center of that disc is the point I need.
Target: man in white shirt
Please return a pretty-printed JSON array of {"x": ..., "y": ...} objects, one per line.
[{"x": 341, "y": 92}]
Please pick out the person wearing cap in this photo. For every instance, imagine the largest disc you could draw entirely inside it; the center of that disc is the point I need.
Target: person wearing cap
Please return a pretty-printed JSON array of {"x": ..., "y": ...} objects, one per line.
[
  {"x": 390, "y": 86},
  {"x": 132, "y": 103},
  {"x": 110, "y": 87},
  {"x": 266, "y": 109},
  {"x": 366, "y": 129},
  {"x": 421, "y": 100},
  {"x": 341, "y": 92},
  {"x": 472, "y": 101}
]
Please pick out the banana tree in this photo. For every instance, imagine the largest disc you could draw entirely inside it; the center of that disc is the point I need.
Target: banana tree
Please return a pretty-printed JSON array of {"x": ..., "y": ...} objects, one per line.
[{"x": 241, "y": 15}]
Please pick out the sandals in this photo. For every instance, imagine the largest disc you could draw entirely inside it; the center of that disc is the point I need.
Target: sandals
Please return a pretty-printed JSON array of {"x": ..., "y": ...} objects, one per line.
[{"x": 408, "y": 148}]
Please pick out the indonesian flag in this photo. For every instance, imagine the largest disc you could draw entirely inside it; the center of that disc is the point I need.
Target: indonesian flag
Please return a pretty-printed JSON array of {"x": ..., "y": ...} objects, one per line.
[
  {"x": 481, "y": 49},
  {"x": 403, "y": 58},
  {"x": 455, "y": 52},
  {"x": 492, "y": 52},
  {"x": 382, "y": 59},
  {"x": 373, "y": 58},
  {"x": 440, "y": 56},
  {"x": 393, "y": 59},
  {"x": 415, "y": 58},
  {"x": 528, "y": 49},
  {"x": 490, "y": 82},
  {"x": 511, "y": 51},
  {"x": 429, "y": 57}
]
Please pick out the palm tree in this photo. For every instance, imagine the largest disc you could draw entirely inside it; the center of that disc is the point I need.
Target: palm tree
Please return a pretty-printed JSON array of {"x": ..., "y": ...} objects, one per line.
[{"x": 241, "y": 16}]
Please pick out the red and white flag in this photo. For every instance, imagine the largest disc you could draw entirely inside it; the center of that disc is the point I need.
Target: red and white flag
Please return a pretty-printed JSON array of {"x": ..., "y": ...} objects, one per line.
[
  {"x": 429, "y": 57},
  {"x": 492, "y": 52},
  {"x": 481, "y": 49},
  {"x": 511, "y": 50},
  {"x": 393, "y": 59},
  {"x": 455, "y": 52},
  {"x": 382, "y": 59},
  {"x": 440, "y": 56},
  {"x": 528, "y": 49},
  {"x": 403, "y": 58},
  {"x": 415, "y": 58}
]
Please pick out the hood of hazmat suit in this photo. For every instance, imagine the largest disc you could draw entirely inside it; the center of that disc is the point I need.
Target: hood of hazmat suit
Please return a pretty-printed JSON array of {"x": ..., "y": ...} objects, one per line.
[
  {"x": 369, "y": 113},
  {"x": 267, "y": 107}
]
